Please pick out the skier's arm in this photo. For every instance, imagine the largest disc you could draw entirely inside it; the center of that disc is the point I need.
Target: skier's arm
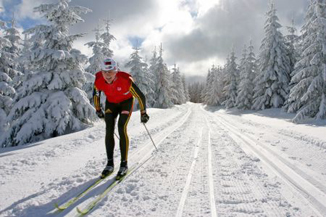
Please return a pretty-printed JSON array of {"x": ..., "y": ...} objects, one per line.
[
  {"x": 96, "y": 98},
  {"x": 135, "y": 91}
]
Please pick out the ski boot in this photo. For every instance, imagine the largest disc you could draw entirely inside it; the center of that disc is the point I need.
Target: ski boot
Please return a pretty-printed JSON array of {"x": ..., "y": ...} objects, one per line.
[
  {"x": 108, "y": 170},
  {"x": 122, "y": 171}
]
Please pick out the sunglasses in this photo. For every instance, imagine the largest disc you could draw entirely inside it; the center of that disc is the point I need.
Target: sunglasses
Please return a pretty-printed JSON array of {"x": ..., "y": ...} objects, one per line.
[{"x": 108, "y": 71}]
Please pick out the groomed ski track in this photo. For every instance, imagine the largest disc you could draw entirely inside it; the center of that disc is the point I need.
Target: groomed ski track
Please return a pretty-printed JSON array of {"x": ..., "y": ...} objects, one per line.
[{"x": 207, "y": 164}]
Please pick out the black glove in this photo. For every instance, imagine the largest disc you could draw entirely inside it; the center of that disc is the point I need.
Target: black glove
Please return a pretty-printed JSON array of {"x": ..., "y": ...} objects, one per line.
[
  {"x": 144, "y": 118},
  {"x": 100, "y": 113}
]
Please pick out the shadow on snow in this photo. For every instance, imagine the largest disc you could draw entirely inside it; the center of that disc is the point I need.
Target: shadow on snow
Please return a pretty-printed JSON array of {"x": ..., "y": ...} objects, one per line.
[{"x": 49, "y": 209}]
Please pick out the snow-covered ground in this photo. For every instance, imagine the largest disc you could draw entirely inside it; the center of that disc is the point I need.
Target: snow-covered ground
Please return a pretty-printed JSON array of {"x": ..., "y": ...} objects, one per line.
[{"x": 210, "y": 162}]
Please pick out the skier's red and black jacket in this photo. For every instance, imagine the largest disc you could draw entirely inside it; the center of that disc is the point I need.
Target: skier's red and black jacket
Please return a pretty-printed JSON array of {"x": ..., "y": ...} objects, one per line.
[{"x": 121, "y": 89}]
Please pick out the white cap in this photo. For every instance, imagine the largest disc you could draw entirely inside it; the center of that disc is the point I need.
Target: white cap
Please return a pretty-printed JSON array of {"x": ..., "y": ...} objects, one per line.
[{"x": 109, "y": 64}]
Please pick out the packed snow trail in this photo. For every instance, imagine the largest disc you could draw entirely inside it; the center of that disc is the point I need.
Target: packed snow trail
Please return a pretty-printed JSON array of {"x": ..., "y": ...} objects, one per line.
[
  {"x": 209, "y": 163},
  {"x": 313, "y": 191}
]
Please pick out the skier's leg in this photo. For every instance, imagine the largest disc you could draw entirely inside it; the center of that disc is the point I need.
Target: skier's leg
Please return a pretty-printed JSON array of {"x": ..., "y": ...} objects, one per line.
[
  {"x": 126, "y": 110},
  {"x": 110, "y": 119}
]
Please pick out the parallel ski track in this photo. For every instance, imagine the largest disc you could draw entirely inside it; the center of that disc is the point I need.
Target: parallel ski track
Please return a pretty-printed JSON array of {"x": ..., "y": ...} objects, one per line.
[
  {"x": 292, "y": 137},
  {"x": 148, "y": 147},
  {"x": 189, "y": 177},
  {"x": 185, "y": 191},
  {"x": 210, "y": 174},
  {"x": 287, "y": 133},
  {"x": 160, "y": 137},
  {"x": 239, "y": 182},
  {"x": 312, "y": 191},
  {"x": 144, "y": 154}
]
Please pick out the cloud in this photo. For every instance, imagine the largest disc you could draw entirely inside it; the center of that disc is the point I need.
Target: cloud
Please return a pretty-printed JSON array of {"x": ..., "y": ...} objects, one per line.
[
  {"x": 195, "y": 33},
  {"x": 228, "y": 25},
  {"x": 26, "y": 9}
]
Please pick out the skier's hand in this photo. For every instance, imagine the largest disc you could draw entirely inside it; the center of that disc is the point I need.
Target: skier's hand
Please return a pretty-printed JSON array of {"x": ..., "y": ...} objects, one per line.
[
  {"x": 144, "y": 117},
  {"x": 100, "y": 113}
]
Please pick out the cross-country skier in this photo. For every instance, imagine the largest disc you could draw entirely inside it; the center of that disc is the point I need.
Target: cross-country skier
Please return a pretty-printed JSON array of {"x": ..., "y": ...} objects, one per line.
[{"x": 120, "y": 91}]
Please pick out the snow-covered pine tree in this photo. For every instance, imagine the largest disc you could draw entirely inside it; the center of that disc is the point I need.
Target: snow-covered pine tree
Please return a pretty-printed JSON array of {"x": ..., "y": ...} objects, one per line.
[
  {"x": 293, "y": 44},
  {"x": 150, "y": 100},
  {"x": 243, "y": 59},
  {"x": 9, "y": 59},
  {"x": 153, "y": 74},
  {"x": 308, "y": 94},
  {"x": 13, "y": 35},
  {"x": 247, "y": 75},
  {"x": 218, "y": 86},
  {"x": 185, "y": 87},
  {"x": 212, "y": 94},
  {"x": 241, "y": 69},
  {"x": 222, "y": 80},
  {"x": 51, "y": 102},
  {"x": 213, "y": 87},
  {"x": 291, "y": 41},
  {"x": 241, "y": 66},
  {"x": 7, "y": 92},
  {"x": 88, "y": 87},
  {"x": 26, "y": 67},
  {"x": 15, "y": 51},
  {"x": 139, "y": 72},
  {"x": 173, "y": 91},
  {"x": 164, "y": 95},
  {"x": 205, "y": 93},
  {"x": 293, "y": 100},
  {"x": 9, "y": 73},
  {"x": 95, "y": 62},
  {"x": 178, "y": 86},
  {"x": 231, "y": 78},
  {"x": 107, "y": 39},
  {"x": 26, "y": 50},
  {"x": 182, "y": 89},
  {"x": 97, "y": 46},
  {"x": 272, "y": 81}
]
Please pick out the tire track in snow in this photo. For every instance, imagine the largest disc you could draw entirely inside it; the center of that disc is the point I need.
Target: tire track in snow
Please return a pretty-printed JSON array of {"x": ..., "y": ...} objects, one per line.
[{"x": 308, "y": 190}]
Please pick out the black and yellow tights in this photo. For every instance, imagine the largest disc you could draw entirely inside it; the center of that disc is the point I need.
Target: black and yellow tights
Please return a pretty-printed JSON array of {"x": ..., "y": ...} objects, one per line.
[{"x": 112, "y": 110}]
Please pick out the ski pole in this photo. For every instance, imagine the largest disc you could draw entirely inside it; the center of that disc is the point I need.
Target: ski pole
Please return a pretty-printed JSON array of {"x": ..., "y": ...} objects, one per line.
[
  {"x": 150, "y": 136},
  {"x": 116, "y": 135}
]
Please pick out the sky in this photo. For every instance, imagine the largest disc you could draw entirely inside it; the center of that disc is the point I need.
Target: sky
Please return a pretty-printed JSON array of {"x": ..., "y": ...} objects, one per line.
[{"x": 195, "y": 34}]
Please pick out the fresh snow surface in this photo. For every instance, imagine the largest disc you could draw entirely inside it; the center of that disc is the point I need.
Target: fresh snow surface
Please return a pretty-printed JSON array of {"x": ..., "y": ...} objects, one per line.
[{"x": 210, "y": 162}]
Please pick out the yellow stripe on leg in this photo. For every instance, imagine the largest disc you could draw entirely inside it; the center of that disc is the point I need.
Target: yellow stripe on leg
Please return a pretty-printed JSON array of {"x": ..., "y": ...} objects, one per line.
[{"x": 125, "y": 131}]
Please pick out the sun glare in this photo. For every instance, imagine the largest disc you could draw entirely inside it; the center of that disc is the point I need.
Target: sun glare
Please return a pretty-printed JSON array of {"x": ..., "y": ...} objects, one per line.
[{"x": 204, "y": 5}]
